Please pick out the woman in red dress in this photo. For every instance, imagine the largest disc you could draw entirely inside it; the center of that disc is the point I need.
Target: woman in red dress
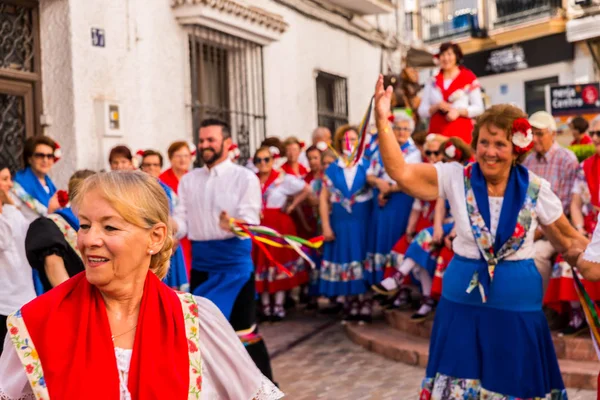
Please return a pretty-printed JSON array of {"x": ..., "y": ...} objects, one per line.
[
  {"x": 277, "y": 187},
  {"x": 180, "y": 156},
  {"x": 453, "y": 97}
]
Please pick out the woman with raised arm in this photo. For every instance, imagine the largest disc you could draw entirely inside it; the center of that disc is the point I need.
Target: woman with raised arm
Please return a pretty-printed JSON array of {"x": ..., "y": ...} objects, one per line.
[{"x": 489, "y": 327}]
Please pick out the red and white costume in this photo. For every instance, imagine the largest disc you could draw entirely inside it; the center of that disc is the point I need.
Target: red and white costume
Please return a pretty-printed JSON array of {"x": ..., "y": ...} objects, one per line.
[
  {"x": 463, "y": 92},
  {"x": 275, "y": 193}
]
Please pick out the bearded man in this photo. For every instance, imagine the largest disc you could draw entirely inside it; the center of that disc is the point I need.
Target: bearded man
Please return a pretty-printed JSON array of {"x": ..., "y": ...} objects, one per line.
[{"x": 222, "y": 268}]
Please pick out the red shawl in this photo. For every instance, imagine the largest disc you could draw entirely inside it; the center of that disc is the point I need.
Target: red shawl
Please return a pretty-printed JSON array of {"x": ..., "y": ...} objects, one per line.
[
  {"x": 287, "y": 168},
  {"x": 264, "y": 187},
  {"x": 591, "y": 168},
  {"x": 70, "y": 330},
  {"x": 170, "y": 179},
  {"x": 462, "y": 127}
]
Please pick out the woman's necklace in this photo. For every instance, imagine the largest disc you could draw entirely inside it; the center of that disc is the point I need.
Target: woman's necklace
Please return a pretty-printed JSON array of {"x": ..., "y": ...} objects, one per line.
[{"x": 121, "y": 334}]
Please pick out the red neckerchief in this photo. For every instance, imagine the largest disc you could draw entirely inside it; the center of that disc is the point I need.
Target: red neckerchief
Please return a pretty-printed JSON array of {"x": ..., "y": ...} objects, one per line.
[
  {"x": 71, "y": 333},
  {"x": 309, "y": 178},
  {"x": 287, "y": 168},
  {"x": 591, "y": 168},
  {"x": 264, "y": 187},
  {"x": 465, "y": 77},
  {"x": 170, "y": 179}
]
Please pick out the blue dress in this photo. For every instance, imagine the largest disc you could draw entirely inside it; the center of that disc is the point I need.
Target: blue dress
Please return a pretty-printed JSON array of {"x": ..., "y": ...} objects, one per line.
[
  {"x": 388, "y": 223},
  {"x": 342, "y": 268},
  {"x": 492, "y": 340},
  {"x": 177, "y": 277}
]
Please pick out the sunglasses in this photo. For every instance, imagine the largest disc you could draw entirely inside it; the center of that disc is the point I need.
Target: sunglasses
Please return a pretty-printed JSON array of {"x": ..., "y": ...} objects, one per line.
[
  {"x": 41, "y": 156},
  {"x": 594, "y": 133},
  {"x": 432, "y": 153},
  {"x": 150, "y": 165},
  {"x": 401, "y": 128},
  {"x": 258, "y": 160}
]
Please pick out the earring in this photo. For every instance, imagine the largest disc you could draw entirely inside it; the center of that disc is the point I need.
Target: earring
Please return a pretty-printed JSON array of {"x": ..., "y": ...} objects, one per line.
[{"x": 150, "y": 252}]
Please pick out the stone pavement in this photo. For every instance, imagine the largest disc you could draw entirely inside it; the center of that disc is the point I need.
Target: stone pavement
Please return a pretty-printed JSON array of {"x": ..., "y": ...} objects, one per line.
[{"x": 313, "y": 359}]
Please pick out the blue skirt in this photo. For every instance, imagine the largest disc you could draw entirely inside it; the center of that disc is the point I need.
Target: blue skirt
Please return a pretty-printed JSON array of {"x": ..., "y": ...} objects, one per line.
[
  {"x": 342, "y": 268},
  {"x": 387, "y": 225},
  {"x": 177, "y": 277},
  {"x": 499, "y": 348},
  {"x": 423, "y": 251}
]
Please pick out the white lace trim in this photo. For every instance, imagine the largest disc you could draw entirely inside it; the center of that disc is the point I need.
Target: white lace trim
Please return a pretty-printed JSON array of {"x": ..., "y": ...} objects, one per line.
[
  {"x": 267, "y": 391},
  {"x": 28, "y": 396}
]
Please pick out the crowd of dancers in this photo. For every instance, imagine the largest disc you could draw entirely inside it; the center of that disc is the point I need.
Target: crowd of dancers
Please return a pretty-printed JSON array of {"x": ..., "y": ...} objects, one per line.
[{"x": 420, "y": 220}]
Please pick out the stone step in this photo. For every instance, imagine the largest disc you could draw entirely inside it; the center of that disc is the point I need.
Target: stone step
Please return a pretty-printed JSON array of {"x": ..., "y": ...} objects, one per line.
[
  {"x": 569, "y": 348},
  {"x": 413, "y": 350}
]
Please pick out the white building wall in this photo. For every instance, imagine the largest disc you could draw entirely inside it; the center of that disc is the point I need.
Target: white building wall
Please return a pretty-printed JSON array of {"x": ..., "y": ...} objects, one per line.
[
  {"x": 57, "y": 83},
  {"x": 291, "y": 64},
  {"x": 144, "y": 67}
]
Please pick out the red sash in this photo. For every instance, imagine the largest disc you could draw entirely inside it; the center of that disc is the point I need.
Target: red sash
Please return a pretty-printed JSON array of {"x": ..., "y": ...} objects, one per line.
[
  {"x": 264, "y": 187},
  {"x": 69, "y": 327},
  {"x": 591, "y": 168},
  {"x": 287, "y": 168},
  {"x": 170, "y": 179},
  {"x": 462, "y": 127}
]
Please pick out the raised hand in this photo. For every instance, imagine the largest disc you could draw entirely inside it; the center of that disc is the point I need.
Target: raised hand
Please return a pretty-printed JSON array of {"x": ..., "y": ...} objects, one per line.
[{"x": 383, "y": 99}]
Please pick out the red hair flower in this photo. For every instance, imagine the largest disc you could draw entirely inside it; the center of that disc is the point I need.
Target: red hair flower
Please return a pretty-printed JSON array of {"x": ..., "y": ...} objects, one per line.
[
  {"x": 275, "y": 153},
  {"x": 302, "y": 144},
  {"x": 63, "y": 198},
  {"x": 234, "y": 152},
  {"x": 57, "y": 152},
  {"x": 522, "y": 137},
  {"x": 391, "y": 118}
]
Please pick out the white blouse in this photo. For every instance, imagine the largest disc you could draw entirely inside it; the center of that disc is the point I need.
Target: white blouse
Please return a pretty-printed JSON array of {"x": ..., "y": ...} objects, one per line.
[
  {"x": 228, "y": 372},
  {"x": 452, "y": 187},
  {"x": 281, "y": 189},
  {"x": 472, "y": 100},
  {"x": 16, "y": 282},
  {"x": 592, "y": 253}
]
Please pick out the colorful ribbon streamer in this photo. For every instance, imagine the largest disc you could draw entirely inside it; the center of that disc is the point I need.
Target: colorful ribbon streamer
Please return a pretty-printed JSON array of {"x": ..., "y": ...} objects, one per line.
[
  {"x": 362, "y": 137},
  {"x": 590, "y": 310},
  {"x": 262, "y": 235}
]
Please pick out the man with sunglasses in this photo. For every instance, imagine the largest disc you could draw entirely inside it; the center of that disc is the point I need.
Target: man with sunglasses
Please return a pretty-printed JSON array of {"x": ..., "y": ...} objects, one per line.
[{"x": 222, "y": 268}]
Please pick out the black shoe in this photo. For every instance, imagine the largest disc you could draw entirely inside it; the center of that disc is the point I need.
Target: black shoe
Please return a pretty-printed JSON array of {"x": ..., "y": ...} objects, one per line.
[
  {"x": 332, "y": 310},
  {"x": 381, "y": 291},
  {"x": 422, "y": 315},
  {"x": 289, "y": 302},
  {"x": 352, "y": 312},
  {"x": 278, "y": 314},
  {"x": 312, "y": 305}
]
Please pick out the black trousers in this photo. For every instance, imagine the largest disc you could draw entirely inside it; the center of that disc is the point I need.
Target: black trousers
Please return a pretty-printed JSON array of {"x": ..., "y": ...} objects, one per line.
[
  {"x": 3, "y": 331},
  {"x": 242, "y": 317}
]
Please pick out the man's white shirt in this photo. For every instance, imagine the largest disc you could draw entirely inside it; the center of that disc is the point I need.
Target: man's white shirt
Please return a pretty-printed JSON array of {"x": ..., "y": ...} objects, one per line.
[{"x": 204, "y": 193}]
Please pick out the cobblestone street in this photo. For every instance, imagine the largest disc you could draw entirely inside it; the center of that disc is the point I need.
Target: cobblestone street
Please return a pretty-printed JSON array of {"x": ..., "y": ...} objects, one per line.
[{"x": 313, "y": 359}]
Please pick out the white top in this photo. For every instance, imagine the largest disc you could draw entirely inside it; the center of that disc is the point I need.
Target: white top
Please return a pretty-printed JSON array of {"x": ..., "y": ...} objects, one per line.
[
  {"x": 204, "y": 193},
  {"x": 349, "y": 172},
  {"x": 16, "y": 282},
  {"x": 452, "y": 187},
  {"x": 592, "y": 253},
  {"x": 281, "y": 189},
  {"x": 471, "y": 100},
  {"x": 228, "y": 372}
]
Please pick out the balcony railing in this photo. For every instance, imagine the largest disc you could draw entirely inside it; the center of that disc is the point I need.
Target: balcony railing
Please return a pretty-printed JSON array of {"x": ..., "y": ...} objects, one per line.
[
  {"x": 516, "y": 11},
  {"x": 446, "y": 19},
  {"x": 441, "y": 20}
]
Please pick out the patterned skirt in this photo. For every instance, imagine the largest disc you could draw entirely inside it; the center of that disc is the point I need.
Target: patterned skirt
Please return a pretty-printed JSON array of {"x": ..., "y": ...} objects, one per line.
[
  {"x": 342, "y": 268},
  {"x": 386, "y": 227},
  {"x": 501, "y": 349}
]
